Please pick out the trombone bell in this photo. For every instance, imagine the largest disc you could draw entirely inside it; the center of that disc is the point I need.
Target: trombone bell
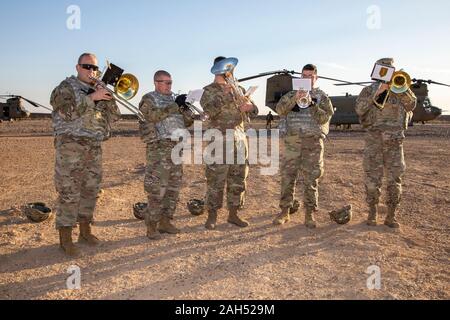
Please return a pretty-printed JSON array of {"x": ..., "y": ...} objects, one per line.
[
  {"x": 127, "y": 86},
  {"x": 401, "y": 82}
]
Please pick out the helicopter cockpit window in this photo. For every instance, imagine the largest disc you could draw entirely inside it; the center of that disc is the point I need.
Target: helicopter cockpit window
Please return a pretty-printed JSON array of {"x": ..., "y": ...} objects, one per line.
[{"x": 427, "y": 103}]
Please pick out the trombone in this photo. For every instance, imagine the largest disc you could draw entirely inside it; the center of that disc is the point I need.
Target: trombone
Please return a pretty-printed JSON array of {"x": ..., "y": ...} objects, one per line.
[
  {"x": 125, "y": 89},
  {"x": 192, "y": 109},
  {"x": 400, "y": 83}
]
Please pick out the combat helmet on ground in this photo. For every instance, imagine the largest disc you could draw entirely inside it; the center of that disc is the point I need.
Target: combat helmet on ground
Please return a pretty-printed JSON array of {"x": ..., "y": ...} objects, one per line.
[
  {"x": 196, "y": 207},
  {"x": 37, "y": 212},
  {"x": 342, "y": 216},
  {"x": 139, "y": 210}
]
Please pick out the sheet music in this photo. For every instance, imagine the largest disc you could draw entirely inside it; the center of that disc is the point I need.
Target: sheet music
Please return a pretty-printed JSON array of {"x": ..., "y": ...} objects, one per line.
[
  {"x": 301, "y": 84},
  {"x": 195, "y": 95},
  {"x": 251, "y": 91}
]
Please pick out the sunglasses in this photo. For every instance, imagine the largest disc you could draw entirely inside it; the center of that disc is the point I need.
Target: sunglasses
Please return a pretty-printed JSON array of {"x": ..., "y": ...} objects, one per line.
[
  {"x": 166, "y": 82},
  {"x": 89, "y": 67}
]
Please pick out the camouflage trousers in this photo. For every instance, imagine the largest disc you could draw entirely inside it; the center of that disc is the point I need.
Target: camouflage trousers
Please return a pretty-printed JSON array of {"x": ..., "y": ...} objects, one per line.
[
  {"x": 304, "y": 156},
  {"x": 384, "y": 150},
  {"x": 162, "y": 181},
  {"x": 233, "y": 175},
  {"x": 78, "y": 174}
]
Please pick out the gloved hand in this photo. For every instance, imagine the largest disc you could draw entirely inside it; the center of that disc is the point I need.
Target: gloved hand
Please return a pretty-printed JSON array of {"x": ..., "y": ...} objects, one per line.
[
  {"x": 181, "y": 100},
  {"x": 382, "y": 96}
]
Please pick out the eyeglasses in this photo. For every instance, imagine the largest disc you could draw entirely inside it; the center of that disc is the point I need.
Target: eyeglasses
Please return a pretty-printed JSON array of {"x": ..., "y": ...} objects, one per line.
[
  {"x": 166, "y": 82},
  {"x": 89, "y": 67}
]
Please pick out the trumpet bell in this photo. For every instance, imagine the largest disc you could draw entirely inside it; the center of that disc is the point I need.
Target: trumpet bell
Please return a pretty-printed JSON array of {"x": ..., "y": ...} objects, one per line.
[
  {"x": 401, "y": 82},
  {"x": 305, "y": 102},
  {"x": 127, "y": 86},
  {"x": 224, "y": 66}
]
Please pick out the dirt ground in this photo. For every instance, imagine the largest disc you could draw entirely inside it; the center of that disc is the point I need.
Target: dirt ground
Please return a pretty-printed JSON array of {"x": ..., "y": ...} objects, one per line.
[{"x": 260, "y": 262}]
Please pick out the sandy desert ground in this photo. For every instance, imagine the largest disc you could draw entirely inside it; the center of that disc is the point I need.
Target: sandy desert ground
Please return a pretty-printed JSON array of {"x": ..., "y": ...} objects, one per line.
[{"x": 260, "y": 262}]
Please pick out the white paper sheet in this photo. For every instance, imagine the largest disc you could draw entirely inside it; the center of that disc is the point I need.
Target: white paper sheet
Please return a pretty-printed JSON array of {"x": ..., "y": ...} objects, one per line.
[
  {"x": 195, "y": 95},
  {"x": 301, "y": 84}
]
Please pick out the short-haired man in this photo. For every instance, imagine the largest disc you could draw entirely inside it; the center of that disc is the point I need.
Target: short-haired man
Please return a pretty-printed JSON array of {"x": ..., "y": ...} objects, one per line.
[
  {"x": 82, "y": 118},
  {"x": 304, "y": 147},
  {"x": 164, "y": 114}
]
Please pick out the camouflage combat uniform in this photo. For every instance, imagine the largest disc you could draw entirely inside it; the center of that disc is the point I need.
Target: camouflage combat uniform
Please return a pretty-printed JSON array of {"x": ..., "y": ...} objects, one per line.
[
  {"x": 221, "y": 105},
  {"x": 384, "y": 144},
  {"x": 304, "y": 147},
  {"x": 80, "y": 125},
  {"x": 162, "y": 178}
]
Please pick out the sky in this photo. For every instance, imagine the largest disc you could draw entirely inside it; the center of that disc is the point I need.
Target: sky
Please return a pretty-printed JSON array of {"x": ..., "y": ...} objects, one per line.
[{"x": 38, "y": 48}]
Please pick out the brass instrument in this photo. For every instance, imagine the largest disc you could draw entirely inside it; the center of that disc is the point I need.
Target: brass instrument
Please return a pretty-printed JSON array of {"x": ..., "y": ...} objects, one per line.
[
  {"x": 126, "y": 87},
  {"x": 192, "y": 108},
  {"x": 226, "y": 67},
  {"x": 305, "y": 102},
  {"x": 400, "y": 83}
]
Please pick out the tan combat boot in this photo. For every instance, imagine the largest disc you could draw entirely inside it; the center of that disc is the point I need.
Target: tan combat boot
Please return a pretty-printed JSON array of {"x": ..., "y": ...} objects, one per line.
[
  {"x": 283, "y": 217},
  {"x": 152, "y": 231},
  {"x": 165, "y": 226},
  {"x": 234, "y": 219},
  {"x": 212, "y": 220},
  {"x": 310, "y": 222},
  {"x": 390, "y": 221},
  {"x": 65, "y": 242},
  {"x": 86, "y": 235},
  {"x": 373, "y": 214}
]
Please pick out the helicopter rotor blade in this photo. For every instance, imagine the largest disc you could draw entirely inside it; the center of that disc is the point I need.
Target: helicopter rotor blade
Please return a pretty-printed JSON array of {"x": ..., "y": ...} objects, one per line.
[
  {"x": 36, "y": 105},
  {"x": 337, "y": 80},
  {"x": 265, "y": 74},
  {"x": 354, "y": 84},
  {"x": 430, "y": 82},
  {"x": 343, "y": 81}
]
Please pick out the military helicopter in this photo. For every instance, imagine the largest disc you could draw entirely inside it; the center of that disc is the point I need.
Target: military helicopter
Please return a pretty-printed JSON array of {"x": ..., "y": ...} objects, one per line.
[
  {"x": 281, "y": 83},
  {"x": 13, "y": 109},
  {"x": 424, "y": 111}
]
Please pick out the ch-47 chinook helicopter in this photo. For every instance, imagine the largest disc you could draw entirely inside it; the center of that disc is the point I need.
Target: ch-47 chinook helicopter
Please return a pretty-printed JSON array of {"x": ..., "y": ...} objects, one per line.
[
  {"x": 13, "y": 108},
  {"x": 281, "y": 83}
]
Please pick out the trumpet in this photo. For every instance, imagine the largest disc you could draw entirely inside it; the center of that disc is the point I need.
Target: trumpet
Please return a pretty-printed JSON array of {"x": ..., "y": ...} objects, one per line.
[
  {"x": 305, "y": 102},
  {"x": 400, "y": 83},
  {"x": 125, "y": 88},
  {"x": 193, "y": 109}
]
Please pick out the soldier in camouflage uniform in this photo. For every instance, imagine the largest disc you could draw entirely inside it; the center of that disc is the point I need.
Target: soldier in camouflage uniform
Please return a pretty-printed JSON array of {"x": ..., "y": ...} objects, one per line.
[
  {"x": 304, "y": 147},
  {"x": 384, "y": 144},
  {"x": 164, "y": 114},
  {"x": 226, "y": 113},
  {"x": 82, "y": 119}
]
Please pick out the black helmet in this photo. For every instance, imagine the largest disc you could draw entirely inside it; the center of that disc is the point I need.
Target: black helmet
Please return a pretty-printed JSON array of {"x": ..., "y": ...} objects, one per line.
[
  {"x": 196, "y": 207},
  {"x": 139, "y": 210},
  {"x": 37, "y": 212}
]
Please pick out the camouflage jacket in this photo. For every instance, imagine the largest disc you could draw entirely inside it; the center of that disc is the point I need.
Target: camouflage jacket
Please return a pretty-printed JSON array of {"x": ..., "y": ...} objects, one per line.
[
  {"x": 397, "y": 112},
  {"x": 162, "y": 117},
  {"x": 220, "y": 104},
  {"x": 77, "y": 115},
  {"x": 313, "y": 121}
]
